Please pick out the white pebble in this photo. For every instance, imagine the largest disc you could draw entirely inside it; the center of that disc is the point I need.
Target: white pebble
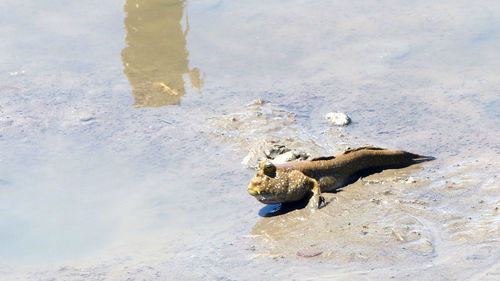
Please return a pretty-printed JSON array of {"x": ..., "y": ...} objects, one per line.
[
  {"x": 283, "y": 158},
  {"x": 338, "y": 118}
]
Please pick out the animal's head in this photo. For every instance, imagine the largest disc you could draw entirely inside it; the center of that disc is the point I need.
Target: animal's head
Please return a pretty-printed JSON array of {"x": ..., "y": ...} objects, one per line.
[{"x": 269, "y": 185}]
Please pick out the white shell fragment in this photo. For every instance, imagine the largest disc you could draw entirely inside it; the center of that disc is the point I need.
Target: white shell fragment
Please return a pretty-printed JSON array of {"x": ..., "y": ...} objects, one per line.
[
  {"x": 338, "y": 118},
  {"x": 290, "y": 156}
]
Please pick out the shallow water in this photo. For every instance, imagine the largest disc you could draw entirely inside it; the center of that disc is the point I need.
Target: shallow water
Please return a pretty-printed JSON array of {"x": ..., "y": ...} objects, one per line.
[{"x": 120, "y": 158}]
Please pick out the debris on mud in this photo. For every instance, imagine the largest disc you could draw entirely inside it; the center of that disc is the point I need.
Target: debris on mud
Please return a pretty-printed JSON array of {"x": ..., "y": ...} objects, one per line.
[
  {"x": 338, "y": 118},
  {"x": 263, "y": 131}
]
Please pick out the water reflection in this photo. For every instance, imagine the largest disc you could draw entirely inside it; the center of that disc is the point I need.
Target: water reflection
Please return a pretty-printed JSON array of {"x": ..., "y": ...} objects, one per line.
[{"x": 156, "y": 59}]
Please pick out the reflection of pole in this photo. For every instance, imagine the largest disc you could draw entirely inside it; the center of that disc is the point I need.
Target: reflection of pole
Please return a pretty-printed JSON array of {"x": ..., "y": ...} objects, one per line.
[
  {"x": 187, "y": 25},
  {"x": 194, "y": 73},
  {"x": 156, "y": 58}
]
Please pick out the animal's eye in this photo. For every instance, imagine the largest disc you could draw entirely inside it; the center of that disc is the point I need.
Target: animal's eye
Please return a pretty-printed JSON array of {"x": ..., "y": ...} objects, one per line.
[{"x": 270, "y": 169}]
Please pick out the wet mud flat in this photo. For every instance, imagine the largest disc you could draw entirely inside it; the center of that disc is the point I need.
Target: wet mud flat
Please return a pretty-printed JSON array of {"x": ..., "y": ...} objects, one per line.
[
  {"x": 422, "y": 214},
  {"x": 411, "y": 223}
]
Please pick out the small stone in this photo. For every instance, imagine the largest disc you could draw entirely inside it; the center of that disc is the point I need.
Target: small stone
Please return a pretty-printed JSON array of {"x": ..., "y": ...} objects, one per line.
[
  {"x": 290, "y": 156},
  {"x": 283, "y": 158},
  {"x": 276, "y": 150},
  {"x": 338, "y": 118}
]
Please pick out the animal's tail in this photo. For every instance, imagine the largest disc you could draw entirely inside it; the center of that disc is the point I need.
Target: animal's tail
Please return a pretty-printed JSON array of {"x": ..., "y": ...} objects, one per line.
[
  {"x": 417, "y": 158},
  {"x": 374, "y": 157}
]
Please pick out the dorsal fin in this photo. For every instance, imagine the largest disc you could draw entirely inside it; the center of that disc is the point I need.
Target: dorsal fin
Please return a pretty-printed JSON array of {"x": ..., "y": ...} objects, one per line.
[
  {"x": 349, "y": 150},
  {"x": 323, "y": 158}
]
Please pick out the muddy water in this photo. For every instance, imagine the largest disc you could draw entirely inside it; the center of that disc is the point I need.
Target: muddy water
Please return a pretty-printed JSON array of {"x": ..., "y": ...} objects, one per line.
[{"x": 123, "y": 126}]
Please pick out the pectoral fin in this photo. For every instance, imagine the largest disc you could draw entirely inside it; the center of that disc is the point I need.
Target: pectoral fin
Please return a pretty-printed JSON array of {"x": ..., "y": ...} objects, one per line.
[{"x": 316, "y": 200}]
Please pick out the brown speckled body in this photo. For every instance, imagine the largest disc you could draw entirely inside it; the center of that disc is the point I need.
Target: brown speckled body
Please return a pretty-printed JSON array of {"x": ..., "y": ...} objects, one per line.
[{"x": 292, "y": 181}]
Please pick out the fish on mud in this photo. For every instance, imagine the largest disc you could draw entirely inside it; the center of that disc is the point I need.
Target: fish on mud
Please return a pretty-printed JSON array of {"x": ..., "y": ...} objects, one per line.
[{"x": 293, "y": 181}]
